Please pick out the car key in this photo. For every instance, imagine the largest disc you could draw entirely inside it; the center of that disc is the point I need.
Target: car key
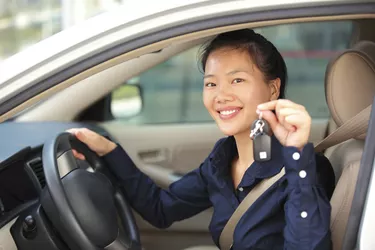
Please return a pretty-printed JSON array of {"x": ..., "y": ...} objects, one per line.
[{"x": 262, "y": 141}]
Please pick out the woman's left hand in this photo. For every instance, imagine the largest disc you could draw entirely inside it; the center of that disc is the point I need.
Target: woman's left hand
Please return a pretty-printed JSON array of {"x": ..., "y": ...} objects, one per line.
[{"x": 291, "y": 125}]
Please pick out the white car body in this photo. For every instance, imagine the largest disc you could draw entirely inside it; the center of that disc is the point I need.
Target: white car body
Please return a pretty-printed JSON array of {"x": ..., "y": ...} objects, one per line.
[{"x": 103, "y": 47}]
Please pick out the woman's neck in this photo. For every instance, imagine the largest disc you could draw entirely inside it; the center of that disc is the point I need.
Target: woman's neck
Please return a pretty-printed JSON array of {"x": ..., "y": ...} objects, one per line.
[{"x": 245, "y": 150}]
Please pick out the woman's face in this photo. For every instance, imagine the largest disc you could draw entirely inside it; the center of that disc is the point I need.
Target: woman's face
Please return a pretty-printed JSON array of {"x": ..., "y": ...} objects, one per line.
[{"x": 233, "y": 88}]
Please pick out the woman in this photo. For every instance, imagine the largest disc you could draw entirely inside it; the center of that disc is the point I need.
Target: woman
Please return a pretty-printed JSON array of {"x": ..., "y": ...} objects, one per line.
[{"x": 244, "y": 75}]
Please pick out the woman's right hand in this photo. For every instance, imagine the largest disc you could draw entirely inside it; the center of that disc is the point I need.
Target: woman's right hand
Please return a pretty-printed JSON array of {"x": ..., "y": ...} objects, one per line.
[{"x": 97, "y": 143}]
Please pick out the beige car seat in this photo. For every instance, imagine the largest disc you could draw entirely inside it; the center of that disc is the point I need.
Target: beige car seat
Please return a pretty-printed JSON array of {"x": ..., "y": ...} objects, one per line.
[{"x": 350, "y": 87}]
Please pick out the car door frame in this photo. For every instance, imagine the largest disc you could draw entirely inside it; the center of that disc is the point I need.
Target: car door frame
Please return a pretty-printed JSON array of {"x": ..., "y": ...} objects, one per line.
[{"x": 361, "y": 223}]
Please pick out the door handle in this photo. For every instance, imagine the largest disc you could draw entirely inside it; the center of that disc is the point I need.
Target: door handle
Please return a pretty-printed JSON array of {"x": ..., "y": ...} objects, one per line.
[{"x": 153, "y": 156}]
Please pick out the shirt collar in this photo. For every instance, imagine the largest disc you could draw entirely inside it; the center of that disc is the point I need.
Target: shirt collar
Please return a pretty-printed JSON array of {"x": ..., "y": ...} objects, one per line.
[{"x": 223, "y": 155}]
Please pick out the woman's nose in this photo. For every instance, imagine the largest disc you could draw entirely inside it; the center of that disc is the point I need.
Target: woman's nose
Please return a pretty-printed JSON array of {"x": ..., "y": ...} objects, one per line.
[{"x": 224, "y": 94}]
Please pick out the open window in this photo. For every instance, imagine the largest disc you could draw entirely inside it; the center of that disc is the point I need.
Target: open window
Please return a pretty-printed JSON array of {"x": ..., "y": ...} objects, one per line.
[{"x": 172, "y": 90}]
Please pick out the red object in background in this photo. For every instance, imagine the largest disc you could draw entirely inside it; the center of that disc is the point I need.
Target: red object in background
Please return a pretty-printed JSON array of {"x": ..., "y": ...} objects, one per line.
[{"x": 309, "y": 53}]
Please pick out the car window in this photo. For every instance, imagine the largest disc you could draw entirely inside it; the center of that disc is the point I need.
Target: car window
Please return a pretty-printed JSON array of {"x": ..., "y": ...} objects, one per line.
[{"x": 171, "y": 92}]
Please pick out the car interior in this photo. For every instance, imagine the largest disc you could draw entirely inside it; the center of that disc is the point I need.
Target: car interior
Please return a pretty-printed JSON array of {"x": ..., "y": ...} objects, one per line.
[{"x": 168, "y": 138}]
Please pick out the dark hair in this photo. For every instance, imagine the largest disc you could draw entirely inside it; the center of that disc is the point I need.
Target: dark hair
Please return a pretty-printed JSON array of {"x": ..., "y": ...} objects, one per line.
[{"x": 264, "y": 54}]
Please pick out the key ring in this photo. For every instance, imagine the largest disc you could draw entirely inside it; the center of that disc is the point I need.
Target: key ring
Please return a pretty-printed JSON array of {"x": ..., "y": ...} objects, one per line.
[{"x": 258, "y": 128}]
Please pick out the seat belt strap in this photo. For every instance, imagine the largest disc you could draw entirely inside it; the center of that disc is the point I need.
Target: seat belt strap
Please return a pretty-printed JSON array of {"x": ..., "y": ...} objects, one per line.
[
  {"x": 226, "y": 237},
  {"x": 355, "y": 127}
]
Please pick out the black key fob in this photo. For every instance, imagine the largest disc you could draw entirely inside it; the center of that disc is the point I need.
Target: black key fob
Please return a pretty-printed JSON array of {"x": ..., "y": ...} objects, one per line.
[
  {"x": 262, "y": 147},
  {"x": 261, "y": 140}
]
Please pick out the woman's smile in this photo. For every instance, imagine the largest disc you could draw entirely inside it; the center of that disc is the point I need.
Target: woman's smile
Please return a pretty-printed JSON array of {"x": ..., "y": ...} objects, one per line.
[{"x": 228, "y": 113}]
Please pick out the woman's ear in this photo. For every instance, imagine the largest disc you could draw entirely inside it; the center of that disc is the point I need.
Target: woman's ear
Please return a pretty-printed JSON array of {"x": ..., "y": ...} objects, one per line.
[{"x": 275, "y": 89}]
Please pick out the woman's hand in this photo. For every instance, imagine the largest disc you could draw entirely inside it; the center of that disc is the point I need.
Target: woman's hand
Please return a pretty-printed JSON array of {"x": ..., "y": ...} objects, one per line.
[
  {"x": 291, "y": 125},
  {"x": 94, "y": 141}
]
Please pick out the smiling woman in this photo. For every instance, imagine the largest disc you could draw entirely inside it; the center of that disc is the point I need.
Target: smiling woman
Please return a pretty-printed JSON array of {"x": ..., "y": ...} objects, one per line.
[
  {"x": 173, "y": 172},
  {"x": 244, "y": 75}
]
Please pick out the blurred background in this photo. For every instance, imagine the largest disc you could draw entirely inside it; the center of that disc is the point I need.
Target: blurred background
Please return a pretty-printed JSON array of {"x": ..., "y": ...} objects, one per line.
[
  {"x": 306, "y": 48},
  {"x": 25, "y": 22}
]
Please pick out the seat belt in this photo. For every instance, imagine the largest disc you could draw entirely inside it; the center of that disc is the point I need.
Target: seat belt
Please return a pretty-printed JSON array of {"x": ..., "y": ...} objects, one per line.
[
  {"x": 355, "y": 127},
  {"x": 226, "y": 237}
]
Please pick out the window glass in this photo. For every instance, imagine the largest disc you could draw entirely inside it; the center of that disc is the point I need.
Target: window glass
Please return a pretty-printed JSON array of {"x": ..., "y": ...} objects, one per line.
[
  {"x": 172, "y": 91},
  {"x": 26, "y": 22}
]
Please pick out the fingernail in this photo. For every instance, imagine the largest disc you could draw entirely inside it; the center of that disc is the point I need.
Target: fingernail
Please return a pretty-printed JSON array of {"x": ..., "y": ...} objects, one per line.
[{"x": 257, "y": 111}]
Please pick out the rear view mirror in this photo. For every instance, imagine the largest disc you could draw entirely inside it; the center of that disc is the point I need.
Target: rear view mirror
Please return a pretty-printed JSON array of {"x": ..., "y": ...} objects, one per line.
[{"x": 126, "y": 101}]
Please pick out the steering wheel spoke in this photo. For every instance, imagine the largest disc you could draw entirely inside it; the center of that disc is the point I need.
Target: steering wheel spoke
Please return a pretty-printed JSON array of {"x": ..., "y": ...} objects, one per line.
[
  {"x": 66, "y": 163},
  {"x": 85, "y": 205}
]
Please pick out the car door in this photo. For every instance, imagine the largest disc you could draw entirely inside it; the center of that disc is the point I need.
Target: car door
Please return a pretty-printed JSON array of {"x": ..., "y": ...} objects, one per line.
[
  {"x": 361, "y": 222},
  {"x": 161, "y": 121}
]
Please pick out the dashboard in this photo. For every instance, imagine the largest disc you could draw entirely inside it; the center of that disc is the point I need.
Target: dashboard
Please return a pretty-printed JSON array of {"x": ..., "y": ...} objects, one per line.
[
  {"x": 18, "y": 181},
  {"x": 21, "y": 171}
]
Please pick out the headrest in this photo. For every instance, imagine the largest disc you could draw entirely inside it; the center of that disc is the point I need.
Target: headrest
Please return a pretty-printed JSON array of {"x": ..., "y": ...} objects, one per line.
[{"x": 350, "y": 81}]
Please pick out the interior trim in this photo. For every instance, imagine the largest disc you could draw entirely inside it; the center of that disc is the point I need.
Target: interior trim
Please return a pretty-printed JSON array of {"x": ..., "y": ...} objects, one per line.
[
  {"x": 6, "y": 239},
  {"x": 75, "y": 73}
]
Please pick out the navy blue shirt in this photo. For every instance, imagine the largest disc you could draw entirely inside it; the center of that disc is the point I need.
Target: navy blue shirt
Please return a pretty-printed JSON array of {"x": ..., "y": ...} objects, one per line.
[{"x": 294, "y": 213}]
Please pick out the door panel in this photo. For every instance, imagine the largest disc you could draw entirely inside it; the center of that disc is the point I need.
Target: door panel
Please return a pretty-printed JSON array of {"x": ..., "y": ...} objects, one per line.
[{"x": 165, "y": 153}]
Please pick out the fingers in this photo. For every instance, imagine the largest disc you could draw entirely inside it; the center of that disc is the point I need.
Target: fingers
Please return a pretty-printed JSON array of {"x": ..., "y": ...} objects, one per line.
[
  {"x": 82, "y": 134},
  {"x": 270, "y": 117},
  {"x": 278, "y": 129},
  {"x": 78, "y": 155},
  {"x": 275, "y": 124},
  {"x": 285, "y": 108},
  {"x": 93, "y": 140},
  {"x": 283, "y": 113},
  {"x": 299, "y": 120},
  {"x": 278, "y": 104}
]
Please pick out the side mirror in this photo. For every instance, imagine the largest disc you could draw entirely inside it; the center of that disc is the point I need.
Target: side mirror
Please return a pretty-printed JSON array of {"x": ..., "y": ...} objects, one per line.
[{"x": 127, "y": 101}]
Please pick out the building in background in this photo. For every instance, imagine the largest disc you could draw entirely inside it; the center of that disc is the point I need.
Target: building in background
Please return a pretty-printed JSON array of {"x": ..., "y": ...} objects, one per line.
[{"x": 26, "y": 22}]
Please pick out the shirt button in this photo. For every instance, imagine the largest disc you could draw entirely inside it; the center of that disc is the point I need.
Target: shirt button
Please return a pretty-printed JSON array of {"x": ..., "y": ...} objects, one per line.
[
  {"x": 240, "y": 189},
  {"x": 296, "y": 156},
  {"x": 302, "y": 174},
  {"x": 304, "y": 214}
]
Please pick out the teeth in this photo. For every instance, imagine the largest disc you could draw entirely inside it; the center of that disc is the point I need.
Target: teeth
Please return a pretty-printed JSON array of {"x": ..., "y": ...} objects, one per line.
[{"x": 227, "y": 112}]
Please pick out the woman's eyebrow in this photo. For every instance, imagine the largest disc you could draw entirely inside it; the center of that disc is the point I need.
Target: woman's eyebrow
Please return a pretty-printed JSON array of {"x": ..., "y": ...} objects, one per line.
[
  {"x": 237, "y": 71},
  {"x": 207, "y": 76}
]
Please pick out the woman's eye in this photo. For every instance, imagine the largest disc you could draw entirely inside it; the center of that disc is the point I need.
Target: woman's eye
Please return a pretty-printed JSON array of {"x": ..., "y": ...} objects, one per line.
[
  {"x": 238, "y": 80},
  {"x": 210, "y": 84}
]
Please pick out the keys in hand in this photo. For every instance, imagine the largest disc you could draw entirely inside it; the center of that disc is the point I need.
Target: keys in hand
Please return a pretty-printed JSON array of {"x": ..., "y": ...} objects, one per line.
[{"x": 261, "y": 140}]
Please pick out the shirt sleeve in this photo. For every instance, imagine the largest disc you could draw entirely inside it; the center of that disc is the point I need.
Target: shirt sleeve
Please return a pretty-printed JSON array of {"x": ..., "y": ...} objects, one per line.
[
  {"x": 186, "y": 197},
  {"x": 307, "y": 208}
]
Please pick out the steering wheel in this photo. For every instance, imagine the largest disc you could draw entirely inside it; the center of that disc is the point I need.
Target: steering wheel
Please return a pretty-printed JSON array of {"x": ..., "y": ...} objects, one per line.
[{"x": 86, "y": 206}]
